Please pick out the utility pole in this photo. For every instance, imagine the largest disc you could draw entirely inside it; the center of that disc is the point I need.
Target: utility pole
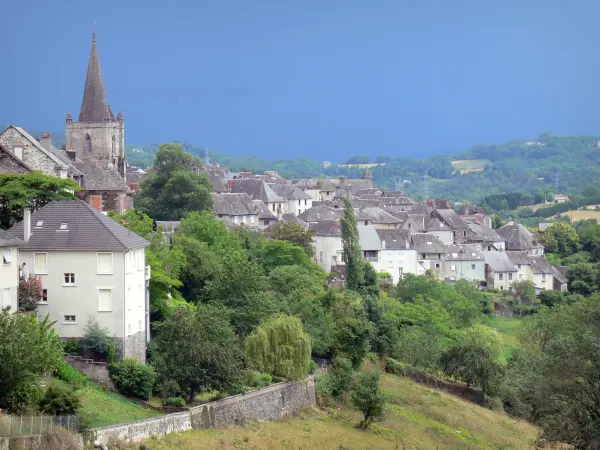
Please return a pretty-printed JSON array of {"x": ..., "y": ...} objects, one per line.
[{"x": 398, "y": 184}]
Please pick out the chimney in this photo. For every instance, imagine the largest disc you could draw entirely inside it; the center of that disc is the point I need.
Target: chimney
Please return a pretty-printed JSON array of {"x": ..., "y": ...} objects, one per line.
[
  {"x": 46, "y": 141},
  {"x": 26, "y": 224},
  {"x": 72, "y": 154}
]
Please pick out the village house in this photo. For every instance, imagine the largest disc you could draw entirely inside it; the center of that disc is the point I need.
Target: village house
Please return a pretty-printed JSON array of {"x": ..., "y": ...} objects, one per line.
[
  {"x": 452, "y": 220},
  {"x": 90, "y": 267},
  {"x": 297, "y": 200},
  {"x": 430, "y": 254},
  {"x": 388, "y": 251},
  {"x": 328, "y": 244},
  {"x": 500, "y": 272},
  {"x": 489, "y": 240},
  {"x": 519, "y": 238},
  {"x": 464, "y": 262},
  {"x": 9, "y": 272},
  {"x": 9, "y": 163},
  {"x": 259, "y": 190},
  {"x": 238, "y": 208}
]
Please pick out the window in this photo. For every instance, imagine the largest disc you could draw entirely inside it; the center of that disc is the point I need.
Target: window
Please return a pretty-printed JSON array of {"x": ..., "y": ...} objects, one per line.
[
  {"x": 543, "y": 277},
  {"x": 64, "y": 226},
  {"x": 105, "y": 263},
  {"x": 321, "y": 257},
  {"x": 519, "y": 266},
  {"x": 266, "y": 222},
  {"x": 510, "y": 277},
  {"x": 44, "y": 296},
  {"x": 39, "y": 224},
  {"x": 305, "y": 202},
  {"x": 69, "y": 318},
  {"x": 68, "y": 279},
  {"x": 40, "y": 263},
  {"x": 298, "y": 202},
  {"x": 273, "y": 206},
  {"x": 366, "y": 223},
  {"x": 7, "y": 255},
  {"x": 472, "y": 266},
  {"x": 104, "y": 299},
  {"x": 464, "y": 233},
  {"x": 437, "y": 265},
  {"x": 129, "y": 329},
  {"x": 500, "y": 276},
  {"x": 453, "y": 267}
]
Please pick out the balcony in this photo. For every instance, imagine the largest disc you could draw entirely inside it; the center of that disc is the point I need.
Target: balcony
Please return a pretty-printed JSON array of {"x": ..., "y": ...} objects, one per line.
[{"x": 372, "y": 258}]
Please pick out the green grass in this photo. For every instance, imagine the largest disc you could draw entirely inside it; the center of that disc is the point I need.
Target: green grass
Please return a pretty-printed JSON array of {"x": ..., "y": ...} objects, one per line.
[
  {"x": 469, "y": 165},
  {"x": 416, "y": 416},
  {"x": 509, "y": 328}
]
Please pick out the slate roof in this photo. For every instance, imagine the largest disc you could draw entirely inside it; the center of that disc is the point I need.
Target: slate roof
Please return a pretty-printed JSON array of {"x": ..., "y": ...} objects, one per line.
[
  {"x": 378, "y": 215},
  {"x": 327, "y": 228},
  {"x": 218, "y": 185},
  {"x": 289, "y": 191},
  {"x": 420, "y": 208},
  {"x": 416, "y": 222},
  {"x": 98, "y": 176},
  {"x": 450, "y": 218},
  {"x": 354, "y": 184},
  {"x": 479, "y": 232},
  {"x": 397, "y": 194},
  {"x": 8, "y": 240},
  {"x": 319, "y": 213},
  {"x": 62, "y": 155},
  {"x": 94, "y": 107},
  {"x": 560, "y": 277},
  {"x": 517, "y": 237},
  {"x": 368, "y": 238},
  {"x": 499, "y": 262},
  {"x": 263, "y": 210},
  {"x": 539, "y": 264},
  {"x": 369, "y": 191},
  {"x": 394, "y": 239},
  {"x": 256, "y": 189},
  {"x": 427, "y": 243},
  {"x": 435, "y": 224},
  {"x": 464, "y": 252},
  {"x": 295, "y": 219},
  {"x": 87, "y": 229},
  {"x": 233, "y": 204},
  {"x": 519, "y": 257},
  {"x": 39, "y": 146}
]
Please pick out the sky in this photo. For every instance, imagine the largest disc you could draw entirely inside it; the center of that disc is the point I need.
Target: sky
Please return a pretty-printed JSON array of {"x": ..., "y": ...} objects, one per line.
[{"x": 321, "y": 79}]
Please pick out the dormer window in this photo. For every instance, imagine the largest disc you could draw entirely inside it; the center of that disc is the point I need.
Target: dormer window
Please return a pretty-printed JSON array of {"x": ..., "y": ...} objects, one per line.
[
  {"x": 64, "y": 226},
  {"x": 39, "y": 224}
]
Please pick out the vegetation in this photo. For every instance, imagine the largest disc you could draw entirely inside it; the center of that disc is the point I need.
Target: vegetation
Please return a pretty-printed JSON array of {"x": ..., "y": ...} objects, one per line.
[
  {"x": 366, "y": 397},
  {"x": 133, "y": 378},
  {"x": 60, "y": 399},
  {"x": 95, "y": 337},
  {"x": 295, "y": 234},
  {"x": 29, "y": 294},
  {"x": 355, "y": 271}
]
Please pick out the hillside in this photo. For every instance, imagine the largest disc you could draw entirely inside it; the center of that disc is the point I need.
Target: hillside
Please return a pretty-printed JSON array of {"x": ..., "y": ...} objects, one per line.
[{"x": 419, "y": 417}]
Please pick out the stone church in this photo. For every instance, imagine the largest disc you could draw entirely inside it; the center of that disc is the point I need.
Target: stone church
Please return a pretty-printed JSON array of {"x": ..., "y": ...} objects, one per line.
[{"x": 94, "y": 154}]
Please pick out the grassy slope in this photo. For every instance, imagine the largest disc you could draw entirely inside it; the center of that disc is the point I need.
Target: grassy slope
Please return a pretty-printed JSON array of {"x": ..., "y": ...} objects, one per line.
[
  {"x": 508, "y": 327},
  {"x": 469, "y": 165},
  {"x": 419, "y": 417}
]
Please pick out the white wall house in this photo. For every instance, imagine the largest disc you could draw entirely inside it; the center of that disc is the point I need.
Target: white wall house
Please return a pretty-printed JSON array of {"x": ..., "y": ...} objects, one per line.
[
  {"x": 328, "y": 243},
  {"x": 9, "y": 271},
  {"x": 297, "y": 201},
  {"x": 500, "y": 272},
  {"x": 90, "y": 267}
]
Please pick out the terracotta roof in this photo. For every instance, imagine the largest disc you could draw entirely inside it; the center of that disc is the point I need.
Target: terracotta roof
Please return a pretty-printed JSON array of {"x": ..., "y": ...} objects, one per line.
[{"x": 87, "y": 229}]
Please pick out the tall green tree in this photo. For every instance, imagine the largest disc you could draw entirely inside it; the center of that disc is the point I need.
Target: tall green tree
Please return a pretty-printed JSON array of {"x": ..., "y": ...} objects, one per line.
[
  {"x": 197, "y": 348},
  {"x": 355, "y": 270},
  {"x": 179, "y": 186},
  {"x": 31, "y": 190},
  {"x": 366, "y": 396},
  {"x": 281, "y": 347},
  {"x": 296, "y": 234}
]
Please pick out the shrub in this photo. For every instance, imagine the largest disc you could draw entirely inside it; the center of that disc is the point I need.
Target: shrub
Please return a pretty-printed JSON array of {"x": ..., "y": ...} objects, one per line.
[
  {"x": 64, "y": 371},
  {"x": 366, "y": 397},
  {"x": 72, "y": 346},
  {"x": 133, "y": 378},
  {"x": 312, "y": 367},
  {"x": 259, "y": 380},
  {"x": 110, "y": 353},
  {"x": 170, "y": 388},
  {"x": 174, "y": 401},
  {"x": 95, "y": 337},
  {"x": 59, "y": 399},
  {"x": 29, "y": 294}
]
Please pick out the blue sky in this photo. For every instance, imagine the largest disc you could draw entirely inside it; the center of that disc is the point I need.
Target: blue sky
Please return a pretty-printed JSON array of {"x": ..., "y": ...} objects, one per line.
[{"x": 322, "y": 79}]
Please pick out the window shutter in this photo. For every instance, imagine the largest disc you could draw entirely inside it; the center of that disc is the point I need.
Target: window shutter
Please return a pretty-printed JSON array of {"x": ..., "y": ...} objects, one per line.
[{"x": 104, "y": 299}]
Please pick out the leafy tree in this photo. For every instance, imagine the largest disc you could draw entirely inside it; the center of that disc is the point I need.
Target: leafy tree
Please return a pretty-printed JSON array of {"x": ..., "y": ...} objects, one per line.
[
  {"x": 340, "y": 377},
  {"x": 60, "y": 399},
  {"x": 30, "y": 293},
  {"x": 178, "y": 187},
  {"x": 31, "y": 190},
  {"x": 355, "y": 272},
  {"x": 296, "y": 234},
  {"x": 29, "y": 350},
  {"x": 560, "y": 238},
  {"x": 582, "y": 278},
  {"x": 196, "y": 347},
  {"x": 359, "y": 159},
  {"x": 95, "y": 337},
  {"x": 133, "y": 378},
  {"x": 280, "y": 346},
  {"x": 524, "y": 292},
  {"x": 367, "y": 398}
]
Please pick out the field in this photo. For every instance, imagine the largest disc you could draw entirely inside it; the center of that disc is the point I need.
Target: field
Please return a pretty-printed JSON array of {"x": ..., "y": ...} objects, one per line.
[
  {"x": 465, "y": 166},
  {"x": 508, "y": 327},
  {"x": 576, "y": 215},
  {"x": 416, "y": 416}
]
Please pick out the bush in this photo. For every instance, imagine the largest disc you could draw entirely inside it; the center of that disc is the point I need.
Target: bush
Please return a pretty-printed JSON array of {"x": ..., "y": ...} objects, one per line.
[
  {"x": 170, "y": 388},
  {"x": 72, "y": 346},
  {"x": 95, "y": 337},
  {"x": 258, "y": 380},
  {"x": 110, "y": 353},
  {"x": 65, "y": 372},
  {"x": 133, "y": 378},
  {"x": 174, "y": 401},
  {"x": 366, "y": 397},
  {"x": 312, "y": 367},
  {"x": 59, "y": 399}
]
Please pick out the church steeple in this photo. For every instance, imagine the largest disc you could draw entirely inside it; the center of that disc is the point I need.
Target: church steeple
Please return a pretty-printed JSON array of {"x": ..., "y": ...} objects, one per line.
[{"x": 94, "y": 107}]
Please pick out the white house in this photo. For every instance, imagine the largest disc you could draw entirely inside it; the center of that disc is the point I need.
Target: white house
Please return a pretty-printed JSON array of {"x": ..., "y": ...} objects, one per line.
[
  {"x": 500, "y": 272},
  {"x": 328, "y": 243},
  {"x": 465, "y": 262},
  {"x": 90, "y": 267},
  {"x": 239, "y": 208},
  {"x": 297, "y": 200},
  {"x": 9, "y": 271},
  {"x": 389, "y": 251}
]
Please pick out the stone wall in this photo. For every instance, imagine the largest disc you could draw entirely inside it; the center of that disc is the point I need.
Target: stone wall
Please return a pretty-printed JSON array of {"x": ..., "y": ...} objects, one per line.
[
  {"x": 270, "y": 403},
  {"x": 94, "y": 370},
  {"x": 32, "y": 155},
  {"x": 135, "y": 346}
]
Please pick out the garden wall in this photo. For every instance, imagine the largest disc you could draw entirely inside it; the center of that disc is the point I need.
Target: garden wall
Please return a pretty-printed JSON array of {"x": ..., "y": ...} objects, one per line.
[
  {"x": 269, "y": 403},
  {"x": 94, "y": 370}
]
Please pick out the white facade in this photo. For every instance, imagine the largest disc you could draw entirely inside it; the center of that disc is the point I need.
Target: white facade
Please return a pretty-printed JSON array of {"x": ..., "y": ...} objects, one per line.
[
  {"x": 328, "y": 251},
  {"x": 9, "y": 278},
  {"x": 298, "y": 206},
  {"x": 465, "y": 270},
  {"x": 446, "y": 236},
  {"x": 396, "y": 262},
  {"x": 108, "y": 286}
]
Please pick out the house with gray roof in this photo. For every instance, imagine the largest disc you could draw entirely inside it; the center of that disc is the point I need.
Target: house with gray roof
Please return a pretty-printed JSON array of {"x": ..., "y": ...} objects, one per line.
[
  {"x": 560, "y": 278},
  {"x": 485, "y": 236},
  {"x": 465, "y": 262},
  {"x": 239, "y": 208},
  {"x": 265, "y": 216},
  {"x": 430, "y": 254},
  {"x": 518, "y": 238},
  {"x": 321, "y": 213},
  {"x": 9, "y": 271},
  {"x": 91, "y": 267},
  {"x": 328, "y": 244},
  {"x": 297, "y": 200},
  {"x": 373, "y": 215},
  {"x": 259, "y": 190},
  {"x": 452, "y": 220},
  {"x": 500, "y": 272},
  {"x": 389, "y": 251}
]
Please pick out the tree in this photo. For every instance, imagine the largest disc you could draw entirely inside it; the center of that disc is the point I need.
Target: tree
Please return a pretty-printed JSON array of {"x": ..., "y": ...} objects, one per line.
[
  {"x": 30, "y": 293},
  {"x": 340, "y": 377},
  {"x": 280, "y": 346},
  {"x": 560, "y": 238},
  {"x": 197, "y": 348},
  {"x": 29, "y": 350},
  {"x": 367, "y": 398},
  {"x": 296, "y": 234},
  {"x": 180, "y": 186},
  {"x": 355, "y": 272},
  {"x": 31, "y": 190}
]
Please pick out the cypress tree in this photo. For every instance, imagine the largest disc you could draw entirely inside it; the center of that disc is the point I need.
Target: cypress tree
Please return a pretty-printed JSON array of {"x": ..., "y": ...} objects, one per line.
[{"x": 355, "y": 271}]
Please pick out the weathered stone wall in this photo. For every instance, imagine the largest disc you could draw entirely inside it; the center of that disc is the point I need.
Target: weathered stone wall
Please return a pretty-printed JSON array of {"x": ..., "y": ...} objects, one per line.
[
  {"x": 270, "y": 403},
  {"x": 135, "y": 346},
  {"x": 110, "y": 200},
  {"x": 32, "y": 156},
  {"x": 94, "y": 370},
  {"x": 28, "y": 443}
]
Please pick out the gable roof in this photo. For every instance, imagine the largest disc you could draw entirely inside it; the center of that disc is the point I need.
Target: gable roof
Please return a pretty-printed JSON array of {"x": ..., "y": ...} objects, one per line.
[
  {"x": 427, "y": 243},
  {"x": 39, "y": 146},
  {"x": 256, "y": 189},
  {"x": 233, "y": 204},
  {"x": 319, "y": 213},
  {"x": 479, "y": 232},
  {"x": 263, "y": 210},
  {"x": 560, "y": 277},
  {"x": 8, "y": 158},
  {"x": 87, "y": 229},
  {"x": 539, "y": 264},
  {"x": 378, "y": 215},
  {"x": 519, "y": 257},
  {"x": 368, "y": 238},
  {"x": 8, "y": 240},
  {"x": 450, "y": 218},
  {"x": 499, "y": 262},
  {"x": 98, "y": 176},
  {"x": 327, "y": 228},
  {"x": 517, "y": 237},
  {"x": 289, "y": 191},
  {"x": 394, "y": 239}
]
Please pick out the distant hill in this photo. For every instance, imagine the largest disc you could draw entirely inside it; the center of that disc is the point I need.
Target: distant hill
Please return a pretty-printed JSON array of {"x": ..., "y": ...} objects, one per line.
[{"x": 515, "y": 166}]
